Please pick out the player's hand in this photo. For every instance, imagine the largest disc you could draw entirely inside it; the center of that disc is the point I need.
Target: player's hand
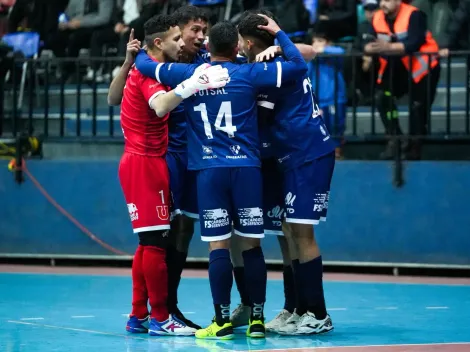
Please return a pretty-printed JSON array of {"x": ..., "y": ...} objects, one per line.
[
  {"x": 133, "y": 47},
  {"x": 268, "y": 54},
  {"x": 272, "y": 27},
  {"x": 204, "y": 77}
]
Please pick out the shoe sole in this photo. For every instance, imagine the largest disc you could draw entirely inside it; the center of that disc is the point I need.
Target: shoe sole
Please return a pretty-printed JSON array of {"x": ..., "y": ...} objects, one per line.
[
  {"x": 257, "y": 335},
  {"x": 163, "y": 333},
  {"x": 226, "y": 337},
  {"x": 322, "y": 331},
  {"x": 136, "y": 331}
]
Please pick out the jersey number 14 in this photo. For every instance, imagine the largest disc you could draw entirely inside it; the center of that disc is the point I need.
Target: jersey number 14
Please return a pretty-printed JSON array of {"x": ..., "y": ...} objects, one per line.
[{"x": 225, "y": 111}]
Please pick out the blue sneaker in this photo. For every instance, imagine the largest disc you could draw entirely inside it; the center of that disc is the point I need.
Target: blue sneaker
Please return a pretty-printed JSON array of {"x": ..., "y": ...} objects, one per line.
[
  {"x": 172, "y": 326},
  {"x": 136, "y": 325}
]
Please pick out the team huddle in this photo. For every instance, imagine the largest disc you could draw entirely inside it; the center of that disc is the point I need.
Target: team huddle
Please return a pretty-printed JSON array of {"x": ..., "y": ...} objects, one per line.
[{"x": 226, "y": 132}]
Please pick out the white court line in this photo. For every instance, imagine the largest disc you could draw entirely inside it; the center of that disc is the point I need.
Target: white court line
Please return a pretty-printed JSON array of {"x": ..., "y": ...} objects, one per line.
[
  {"x": 39, "y": 318},
  {"x": 437, "y": 307},
  {"x": 386, "y": 308},
  {"x": 82, "y": 316},
  {"x": 188, "y": 312},
  {"x": 125, "y": 315},
  {"x": 312, "y": 349},
  {"x": 337, "y": 309}
]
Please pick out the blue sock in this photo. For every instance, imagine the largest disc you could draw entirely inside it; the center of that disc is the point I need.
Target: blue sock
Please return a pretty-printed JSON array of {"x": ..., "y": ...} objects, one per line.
[
  {"x": 312, "y": 280},
  {"x": 289, "y": 289},
  {"x": 239, "y": 274},
  {"x": 255, "y": 280},
  {"x": 301, "y": 306},
  {"x": 221, "y": 280}
]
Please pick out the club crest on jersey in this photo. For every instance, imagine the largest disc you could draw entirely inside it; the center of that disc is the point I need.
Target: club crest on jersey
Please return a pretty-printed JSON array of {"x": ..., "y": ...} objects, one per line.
[
  {"x": 162, "y": 212},
  {"x": 235, "y": 149}
]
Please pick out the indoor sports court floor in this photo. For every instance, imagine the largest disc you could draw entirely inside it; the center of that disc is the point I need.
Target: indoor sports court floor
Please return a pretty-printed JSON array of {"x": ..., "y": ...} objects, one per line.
[{"x": 64, "y": 309}]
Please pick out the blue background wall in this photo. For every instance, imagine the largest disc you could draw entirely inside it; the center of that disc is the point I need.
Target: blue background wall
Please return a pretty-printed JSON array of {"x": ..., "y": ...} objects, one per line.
[{"x": 426, "y": 221}]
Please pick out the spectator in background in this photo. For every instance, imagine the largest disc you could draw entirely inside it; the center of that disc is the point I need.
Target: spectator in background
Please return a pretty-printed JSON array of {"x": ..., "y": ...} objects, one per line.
[
  {"x": 401, "y": 29},
  {"x": 438, "y": 13},
  {"x": 457, "y": 24},
  {"x": 294, "y": 19},
  {"x": 83, "y": 18},
  {"x": 339, "y": 17},
  {"x": 127, "y": 14},
  {"x": 326, "y": 75},
  {"x": 36, "y": 15}
]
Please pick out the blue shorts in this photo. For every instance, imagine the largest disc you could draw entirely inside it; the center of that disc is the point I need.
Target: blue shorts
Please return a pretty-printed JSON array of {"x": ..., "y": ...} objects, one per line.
[
  {"x": 307, "y": 191},
  {"x": 335, "y": 118},
  {"x": 230, "y": 195},
  {"x": 273, "y": 197},
  {"x": 182, "y": 185}
]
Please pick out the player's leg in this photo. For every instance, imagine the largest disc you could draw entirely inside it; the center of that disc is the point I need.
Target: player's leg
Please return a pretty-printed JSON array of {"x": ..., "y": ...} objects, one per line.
[
  {"x": 248, "y": 224},
  {"x": 145, "y": 185},
  {"x": 181, "y": 232},
  {"x": 240, "y": 315},
  {"x": 216, "y": 228},
  {"x": 307, "y": 191}
]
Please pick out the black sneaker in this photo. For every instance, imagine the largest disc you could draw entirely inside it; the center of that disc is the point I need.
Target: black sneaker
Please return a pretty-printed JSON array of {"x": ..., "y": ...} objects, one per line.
[{"x": 177, "y": 313}]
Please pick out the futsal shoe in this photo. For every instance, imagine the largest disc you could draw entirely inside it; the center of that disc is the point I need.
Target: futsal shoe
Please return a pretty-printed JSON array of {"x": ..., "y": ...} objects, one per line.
[
  {"x": 172, "y": 326},
  {"x": 290, "y": 326},
  {"x": 216, "y": 332},
  {"x": 136, "y": 325},
  {"x": 256, "y": 329},
  {"x": 278, "y": 321},
  {"x": 310, "y": 325},
  {"x": 241, "y": 316},
  {"x": 178, "y": 315}
]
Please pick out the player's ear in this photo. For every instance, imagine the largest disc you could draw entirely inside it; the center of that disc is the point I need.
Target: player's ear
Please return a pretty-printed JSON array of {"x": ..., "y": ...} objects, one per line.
[
  {"x": 158, "y": 42},
  {"x": 249, "y": 44}
]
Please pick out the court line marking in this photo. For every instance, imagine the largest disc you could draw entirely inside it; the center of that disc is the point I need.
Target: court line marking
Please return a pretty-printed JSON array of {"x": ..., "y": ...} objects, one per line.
[
  {"x": 82, "y": 316},
  {"x": 337, "y": 309},
  {"x": 188, "y": 312},
  {"x": 38, "y": 318},
  {"x": 443, "y": 307},
  {"x": 362, "y": 346},
  {"x": 386, "y": 308}
]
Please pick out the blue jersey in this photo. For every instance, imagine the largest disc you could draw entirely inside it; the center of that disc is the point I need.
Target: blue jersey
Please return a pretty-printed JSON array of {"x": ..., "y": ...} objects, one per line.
[
  {"x": 222, "y": 123},
  {"x": 265, "y": 124},
  {"x": 299, "y": 134}
]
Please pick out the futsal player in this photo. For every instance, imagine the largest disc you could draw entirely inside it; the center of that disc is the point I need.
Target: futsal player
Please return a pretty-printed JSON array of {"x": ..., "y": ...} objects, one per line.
[{"x": 143, "y": 174}]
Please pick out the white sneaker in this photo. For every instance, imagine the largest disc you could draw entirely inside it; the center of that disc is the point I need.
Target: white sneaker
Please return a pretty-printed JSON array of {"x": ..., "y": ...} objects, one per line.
[
  {"x": 278, "y": 321},
  {"x": 290, "y": 326},
  {"x": 171, "y": 326},
  {"x": 310, "y": 325},
  {"x": 240, "y": 316}
]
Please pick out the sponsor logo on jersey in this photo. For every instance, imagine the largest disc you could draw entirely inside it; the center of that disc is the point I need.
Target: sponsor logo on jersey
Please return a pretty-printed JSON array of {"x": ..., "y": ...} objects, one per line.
[
  {"x": 235, "y": 149},
  {"x": 289, "y": 201},
  {"x": 131, "y": 207},
  {"x": 320, "y": 201},
  {"x": 276, "y": 214}
]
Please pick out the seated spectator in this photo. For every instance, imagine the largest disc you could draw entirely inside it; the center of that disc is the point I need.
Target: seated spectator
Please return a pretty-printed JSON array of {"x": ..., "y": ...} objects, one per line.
[
  {"x": 330, "y": 90},
  {"x": 83, "y": 18},
  {"x": 128, "y": 14},
  {"x": 340, "y": 17},
  {"x": 438, "y": 14},
  {"x": 35, "y": 15},
  {"x": 459, "y": 20},
  {"x": 401, "y": 29}
]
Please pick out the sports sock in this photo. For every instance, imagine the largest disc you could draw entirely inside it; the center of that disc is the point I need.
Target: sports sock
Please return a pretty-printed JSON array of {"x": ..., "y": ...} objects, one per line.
[
  {"x": 301, "y": 305},
  {"x": 239, "y": 274},
  {"x": 139, "y": 290},
  {"x": 221, "y": 281},
  {"x": 312, "y": 277},
  {"x": 156, "y": 280},
  {"x": 175, "y": 262},
  {"x": 289, "y": 289},
  {"x": 255, "y": 280}
]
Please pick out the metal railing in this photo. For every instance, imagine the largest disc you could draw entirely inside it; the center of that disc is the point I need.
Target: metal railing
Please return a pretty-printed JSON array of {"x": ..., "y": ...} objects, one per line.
[{"x": 79, "y": 111}]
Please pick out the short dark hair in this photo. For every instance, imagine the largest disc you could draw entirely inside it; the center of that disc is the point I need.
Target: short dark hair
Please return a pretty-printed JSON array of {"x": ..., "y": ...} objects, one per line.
[
  {"x": 188, "y": 13},
  {"x": 223, "y": 39},
  {"x": 260, "y": 11},
  {"x": 248, "y": 27},
  {"x": 157, "y": 26}
]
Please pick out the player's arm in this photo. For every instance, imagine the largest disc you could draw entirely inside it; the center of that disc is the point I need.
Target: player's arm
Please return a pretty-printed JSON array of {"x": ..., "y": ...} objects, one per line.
[
  {"x": 274, "y": 74},
  {"x": 116, "y": 88},
  {"x": 307, "y": 52},
  {"x": 204, "y": 77}
]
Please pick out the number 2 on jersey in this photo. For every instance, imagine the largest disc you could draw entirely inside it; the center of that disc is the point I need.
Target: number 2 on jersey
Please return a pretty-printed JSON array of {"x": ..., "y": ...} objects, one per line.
[
  {"x": 225, "y": 111},
  {"x": 316, "y": 110}
]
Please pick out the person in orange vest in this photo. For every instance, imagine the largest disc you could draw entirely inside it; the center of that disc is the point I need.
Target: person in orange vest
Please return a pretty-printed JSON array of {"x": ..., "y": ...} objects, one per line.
[{"x": 400, "y": 30}]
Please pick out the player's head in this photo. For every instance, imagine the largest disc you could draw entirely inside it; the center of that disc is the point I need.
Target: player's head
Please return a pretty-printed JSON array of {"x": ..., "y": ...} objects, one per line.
[
  {"x": 390, "y": 7},
  {"x": 193, "y": 22},
  {"x": 224, "y": 40},
  {"x": 163, "y": 38},
  {"x": 253, "y": 40}
]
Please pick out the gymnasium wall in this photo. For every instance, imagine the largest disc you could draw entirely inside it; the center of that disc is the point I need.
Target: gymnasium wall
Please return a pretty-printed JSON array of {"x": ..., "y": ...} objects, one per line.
[{"x": 427, "y": 221}]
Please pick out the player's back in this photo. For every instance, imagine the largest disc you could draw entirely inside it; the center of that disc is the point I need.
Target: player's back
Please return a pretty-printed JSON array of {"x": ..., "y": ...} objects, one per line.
[
  {"x": 144, "y": 132},
  {"x": 299, "y": 133},
  {"x": 223, "y": 129}
]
